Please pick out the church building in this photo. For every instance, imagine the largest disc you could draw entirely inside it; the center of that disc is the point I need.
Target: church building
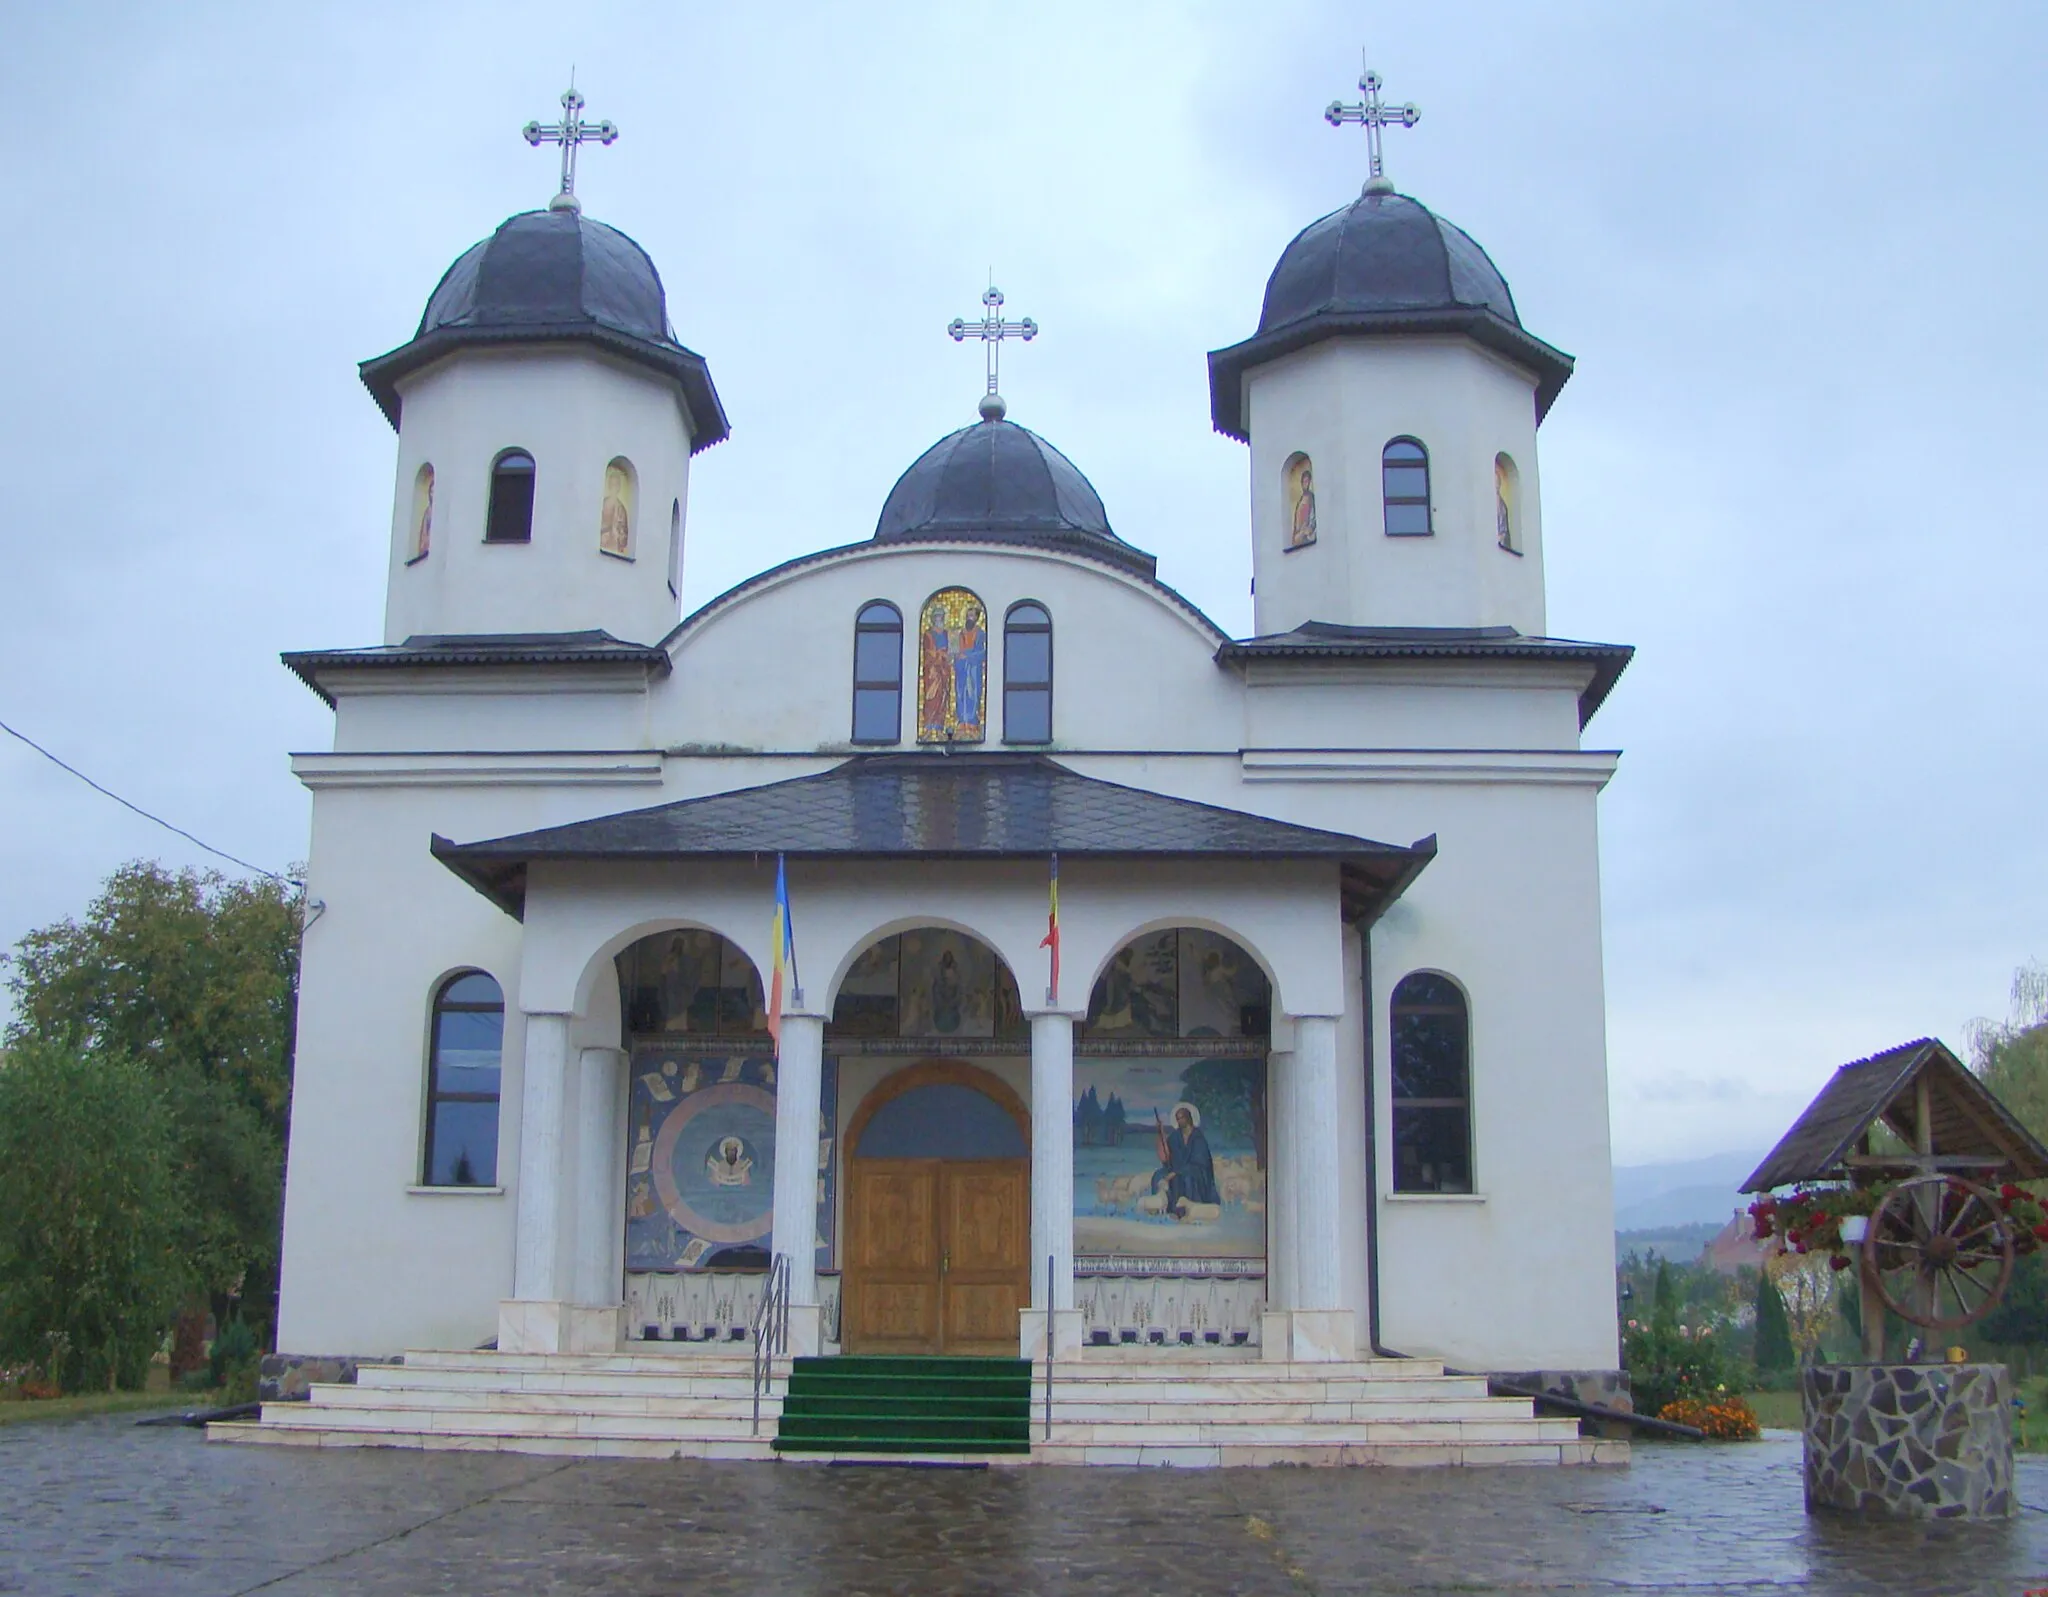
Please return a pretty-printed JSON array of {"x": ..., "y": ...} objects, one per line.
[{"x": 1024, "y": 969}]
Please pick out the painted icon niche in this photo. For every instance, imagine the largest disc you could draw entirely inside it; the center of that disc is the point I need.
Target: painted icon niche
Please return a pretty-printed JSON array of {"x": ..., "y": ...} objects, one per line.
[
  {"x": 691, "y": 982},
  {"x": 952, "y": 669},
  {"x": 615, "y": 515},
  {"x": 932, "y": 982},
  {"x": 1506, "y": 522},
  {"x": 1300, "y": 478},
  {"x": 422, "y": 536}
]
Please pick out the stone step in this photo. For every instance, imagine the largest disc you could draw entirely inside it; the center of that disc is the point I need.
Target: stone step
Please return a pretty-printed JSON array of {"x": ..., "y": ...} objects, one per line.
[
  {"x": 757, "y": 1449},
  {"x": 1152, "y": 1434},
  {"x": 498, "y": 1401},
  {"x": 1161, "y": 1364},
  {"x": 1089, "y": 1412},
  {"x": 1395, "y": 1454},
  {"x": 451, "y": 1422},
  {"x": 1443, "y": 1388},
  {"x": 395, "y": 1378},
  {"x": 621, "y": 1363}
]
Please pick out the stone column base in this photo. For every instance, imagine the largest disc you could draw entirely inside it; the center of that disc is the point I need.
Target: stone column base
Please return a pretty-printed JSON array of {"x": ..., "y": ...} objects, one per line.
[
  {"x": 1909, "y": 1441},
  {"x": 1066, "y": 1333},
  {"x": 1308, "y": 1336},
  {"x": 534, "y": 1325},
  {"x": 806, "y": 1331}
]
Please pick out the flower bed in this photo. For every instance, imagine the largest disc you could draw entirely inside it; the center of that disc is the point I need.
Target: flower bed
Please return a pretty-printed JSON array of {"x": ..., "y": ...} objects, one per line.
[{"x": 1724, "y": 1418}]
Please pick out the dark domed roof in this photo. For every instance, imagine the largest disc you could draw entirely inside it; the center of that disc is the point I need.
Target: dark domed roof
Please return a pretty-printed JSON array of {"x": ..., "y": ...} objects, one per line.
[
  {"x": 1382, "y": 253},
  {"x": 996, "y": 482},
  {"x": 550, "y": 276},
  {"x": 1383, "y": 264}
]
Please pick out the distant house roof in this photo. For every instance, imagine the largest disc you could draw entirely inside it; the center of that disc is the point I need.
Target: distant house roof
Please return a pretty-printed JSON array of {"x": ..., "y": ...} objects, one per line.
[
  {"x": 479, "y": 649},
  {"x": 1965, "y": 1120},
  {"x": 1329, "y": 640},
  {"x": 938, "y": 806}
]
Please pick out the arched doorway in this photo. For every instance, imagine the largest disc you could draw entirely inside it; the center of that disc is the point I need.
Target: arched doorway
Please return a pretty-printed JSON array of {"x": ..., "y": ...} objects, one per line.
[{"x": 938, "y": 1214}]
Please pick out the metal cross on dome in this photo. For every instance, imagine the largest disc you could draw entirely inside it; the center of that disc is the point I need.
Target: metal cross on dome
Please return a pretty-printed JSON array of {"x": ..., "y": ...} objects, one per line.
[
  {"x": 570, "y": 132},
  {"x": 992, "y": 330},
  {"x": 1373, "y": 116}
]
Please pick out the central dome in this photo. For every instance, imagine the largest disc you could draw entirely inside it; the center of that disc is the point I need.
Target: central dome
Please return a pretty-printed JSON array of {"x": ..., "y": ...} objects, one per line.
[
  {"x": 1384, "y": 252},
  {"x": 996, "y": 482}
]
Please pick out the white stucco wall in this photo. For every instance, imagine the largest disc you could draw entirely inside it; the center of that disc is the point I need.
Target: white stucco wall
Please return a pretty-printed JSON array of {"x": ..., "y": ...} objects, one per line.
[{"x": 574, "y": 411}]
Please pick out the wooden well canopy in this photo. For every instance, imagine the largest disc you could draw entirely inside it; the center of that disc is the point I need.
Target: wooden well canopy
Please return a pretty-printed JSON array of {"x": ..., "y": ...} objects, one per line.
[{"x": 1927, "y": 1098}]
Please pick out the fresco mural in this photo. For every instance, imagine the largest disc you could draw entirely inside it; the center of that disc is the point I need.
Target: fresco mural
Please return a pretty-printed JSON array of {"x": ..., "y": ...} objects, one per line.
[
  {"x": 1179, "y": 983},
  {"x": 929, "y": 983},
  {"x": 1299, "y": 476},
  {"x": 700, "y": 1170},
  {"x": 615, "y": 514},
  {"x": 422, "y": 515},
  {"x": 952, "y": 671},
  {"x": 1169, "y": 1161},
  {"x": 690, "y": 982}
]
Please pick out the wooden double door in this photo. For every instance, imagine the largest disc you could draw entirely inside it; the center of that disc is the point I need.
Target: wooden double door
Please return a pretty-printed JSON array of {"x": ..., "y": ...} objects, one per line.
[{"x": 937, "y": 1255}]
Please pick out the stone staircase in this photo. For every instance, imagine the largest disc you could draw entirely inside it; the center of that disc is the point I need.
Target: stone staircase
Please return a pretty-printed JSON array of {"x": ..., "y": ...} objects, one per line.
[
  {"x": 590, "y": 1405},
  {"x": 1129, "y": 1405},
  {"x": 1205, "y": 1411}
]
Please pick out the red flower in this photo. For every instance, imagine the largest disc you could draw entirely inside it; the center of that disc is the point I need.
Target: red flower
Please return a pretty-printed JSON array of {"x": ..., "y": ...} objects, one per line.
[
  {"x": 1839, "y": 1262},
  {"x": 2010, "y": 1193},
  {"x": 2041, "y": 1232}
]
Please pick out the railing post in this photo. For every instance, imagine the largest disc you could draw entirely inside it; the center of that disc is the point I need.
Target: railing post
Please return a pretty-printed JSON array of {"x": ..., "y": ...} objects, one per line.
[{"x": 771, "y": 1328}]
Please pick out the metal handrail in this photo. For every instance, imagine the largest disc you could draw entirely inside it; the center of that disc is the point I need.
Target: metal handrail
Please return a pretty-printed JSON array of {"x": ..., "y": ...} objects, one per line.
[
  {"x": 771, "y": 1329},
  {"x": 1048, "y": 1345}
]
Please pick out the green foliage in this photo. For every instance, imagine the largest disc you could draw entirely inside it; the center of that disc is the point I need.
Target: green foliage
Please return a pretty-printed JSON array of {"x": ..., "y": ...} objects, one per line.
[
  {"x": 1670, "y": 1357},
  {"x": 1773, "y": 1328},
  {"x": 92, "y": 1213},
  {"x": 231, "y": 1364},
  {"x": 2021, "y": 1319},
  {"x": 2011, "y": 1057},
  {"x": 194, "y": 977}
]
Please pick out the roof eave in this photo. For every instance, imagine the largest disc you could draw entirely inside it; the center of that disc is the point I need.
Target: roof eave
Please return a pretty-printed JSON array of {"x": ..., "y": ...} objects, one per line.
[
  {"x": 1551, "y": 367},
  {"x": 309, "y": 664}
]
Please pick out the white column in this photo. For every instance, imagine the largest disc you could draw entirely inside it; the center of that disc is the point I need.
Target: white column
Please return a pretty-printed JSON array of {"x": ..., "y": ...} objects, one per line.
[
  {"x": 1052, "y": 1159},
  {"x": 798, "y": 1070},
  {"x": 536, "y": 1276},
  {"x": 599, "y": 1078},
  {"x": 1319, "y": 1282},
  {"x": 1282, "y": 1168}
]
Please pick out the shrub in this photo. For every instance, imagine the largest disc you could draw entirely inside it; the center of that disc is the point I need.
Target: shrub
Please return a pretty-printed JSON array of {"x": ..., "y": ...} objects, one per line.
[
  {"x": 234, "y": 1347},
  {"x": 1726, "y": 1418}
]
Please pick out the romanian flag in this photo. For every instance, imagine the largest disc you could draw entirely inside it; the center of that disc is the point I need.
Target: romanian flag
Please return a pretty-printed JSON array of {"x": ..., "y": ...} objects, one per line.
[
  {"x": 1052, "y": 934},
  {"x": 785, "y": 954}
]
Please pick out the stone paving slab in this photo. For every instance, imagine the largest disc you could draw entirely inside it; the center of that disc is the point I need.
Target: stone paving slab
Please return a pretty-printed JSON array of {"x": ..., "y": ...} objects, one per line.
[{"x": 101, "y": 1507}]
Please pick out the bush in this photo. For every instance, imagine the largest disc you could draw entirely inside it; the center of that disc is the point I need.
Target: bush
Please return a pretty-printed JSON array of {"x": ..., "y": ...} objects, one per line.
[
  {"x": 1668, "y": 1360},
  {"x": 234, "y": 1347},
  {"x": 1773, "y": 1328},
  {"x": 91, "y": 1209},
  {"x": 1725, "y": 1419}
]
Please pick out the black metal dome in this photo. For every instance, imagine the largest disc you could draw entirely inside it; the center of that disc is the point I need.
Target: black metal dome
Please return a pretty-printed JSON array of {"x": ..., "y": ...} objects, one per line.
[
  {"x": 1384, "y": 252},
  {"x": 548, "y": 277},
  {"x": 1385, "y": 264},
  {"x": 996, "y": 482}
]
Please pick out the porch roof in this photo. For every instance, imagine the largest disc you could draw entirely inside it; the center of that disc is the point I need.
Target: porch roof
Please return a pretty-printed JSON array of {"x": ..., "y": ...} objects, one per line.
[{"x": 938, "y": 806}]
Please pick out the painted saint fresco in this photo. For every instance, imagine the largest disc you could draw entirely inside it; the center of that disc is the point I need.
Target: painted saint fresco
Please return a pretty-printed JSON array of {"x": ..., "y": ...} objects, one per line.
[
  {"x": 929, "y": 983},
  {"x": 615, "y": 517},
  {"x": 1180, "y": 983},
  {"x": 700, "y": 1171},
  {"x": 952, "y": 671},
  {"x": 693, "y": 983},
  {"x": 422, "y": 514},
  {"x": 1169, "y": 1161},
  {"x": 1299, "y": 475},
  {"x": 1504, "y": 501}
]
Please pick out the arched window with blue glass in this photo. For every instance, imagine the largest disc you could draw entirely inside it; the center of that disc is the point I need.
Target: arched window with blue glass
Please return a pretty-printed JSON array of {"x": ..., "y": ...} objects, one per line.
[
  {"x": 1027, "y": 674},
  {"x": 1432, "y": 1082},
  {"x": 465, "y": 1055},
  {"x": 878, "y": 673},
  {"x": 509, "y": 517},
  {"x": 1404, "y": 484}
]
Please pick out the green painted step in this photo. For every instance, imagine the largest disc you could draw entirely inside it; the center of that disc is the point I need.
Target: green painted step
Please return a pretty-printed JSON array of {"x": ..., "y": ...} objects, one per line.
[{"x": 906, "y": 1405}]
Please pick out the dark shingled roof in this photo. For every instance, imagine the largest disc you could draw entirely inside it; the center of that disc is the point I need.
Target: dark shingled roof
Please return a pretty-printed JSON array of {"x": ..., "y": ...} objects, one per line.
[
  {"x": 1966, "y": 1120},
  {"x": 996, "y": 482},
  {"x": 938, "y": 806},
  {"x": 1383, "y": 264},
  {"x": 479, "y": 649},
  {"x": 1328, "y": 640},
  {"x": 550, "y": 277}
]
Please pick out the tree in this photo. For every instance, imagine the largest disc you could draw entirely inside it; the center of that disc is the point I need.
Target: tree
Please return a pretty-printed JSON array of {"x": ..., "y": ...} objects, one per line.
[
  {"x": 2011, "y": 1057},
  {"x": 193, "y": 977},
  {"x": 93, "y": 1213},
  {"x": 1773, "y": 1329}
]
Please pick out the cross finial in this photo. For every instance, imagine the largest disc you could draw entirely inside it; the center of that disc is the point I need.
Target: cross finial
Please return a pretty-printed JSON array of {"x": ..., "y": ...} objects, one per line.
[
  {"x": 570, "y": 132},
  {"x": 1373, "y": 116},
  {"x": 992, "y": 330}
]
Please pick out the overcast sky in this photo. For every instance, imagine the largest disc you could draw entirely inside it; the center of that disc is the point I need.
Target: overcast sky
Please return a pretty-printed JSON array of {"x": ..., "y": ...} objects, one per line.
[{"x": 1796, "y": 250}]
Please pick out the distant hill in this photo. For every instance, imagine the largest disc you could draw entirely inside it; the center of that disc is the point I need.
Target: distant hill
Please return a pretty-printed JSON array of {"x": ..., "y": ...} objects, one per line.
[
  {"x": 1682, "y": 1244},
  {"x": 1681, "y": 1192}
]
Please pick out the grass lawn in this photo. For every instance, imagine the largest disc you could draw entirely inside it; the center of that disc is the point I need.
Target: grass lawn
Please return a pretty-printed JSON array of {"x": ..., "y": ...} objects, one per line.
[
  {"x": 1776, "y": 1410},
  {"x": 81, "y": 1404}
]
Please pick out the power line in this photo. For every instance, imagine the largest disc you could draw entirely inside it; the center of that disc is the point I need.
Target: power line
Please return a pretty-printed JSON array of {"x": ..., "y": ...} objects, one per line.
[{"x": 137, "y": 808}]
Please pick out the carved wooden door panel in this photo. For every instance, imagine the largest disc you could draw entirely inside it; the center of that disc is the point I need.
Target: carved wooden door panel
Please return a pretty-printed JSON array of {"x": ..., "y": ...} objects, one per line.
[
  {"x": 892, "y": 1284},
  {"x": 985, "y": 1243}
]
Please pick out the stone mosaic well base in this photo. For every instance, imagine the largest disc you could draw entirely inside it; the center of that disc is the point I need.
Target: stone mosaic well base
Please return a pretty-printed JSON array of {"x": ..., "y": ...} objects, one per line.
[{"x": 1909, "y": 1441}]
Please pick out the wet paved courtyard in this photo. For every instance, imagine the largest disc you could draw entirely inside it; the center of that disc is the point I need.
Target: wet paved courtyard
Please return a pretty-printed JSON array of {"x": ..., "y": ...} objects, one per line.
[{"x": 102, "y": 1507}]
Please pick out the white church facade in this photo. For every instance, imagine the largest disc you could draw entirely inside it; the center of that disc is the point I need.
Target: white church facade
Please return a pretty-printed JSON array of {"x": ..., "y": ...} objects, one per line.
[{"x": 1321, "y": 1079}]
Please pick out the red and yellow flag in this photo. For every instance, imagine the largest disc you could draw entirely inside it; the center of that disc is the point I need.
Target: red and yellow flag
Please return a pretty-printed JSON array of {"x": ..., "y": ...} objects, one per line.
[{"x": 1052, "y": 934}]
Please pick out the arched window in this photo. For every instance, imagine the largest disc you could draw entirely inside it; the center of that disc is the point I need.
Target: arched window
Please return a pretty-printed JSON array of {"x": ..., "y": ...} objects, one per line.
[
  {"x": 1404, "y": 482},
  {"x": 675, "y": 548},
  {"x": 1432, "y": 1085},
  {"x": 510, "y": 519},
  {"x": 615, "y": 514},
  {"x": 1507, "y": 510},
  {"x": 462, "y": 1082},
  {"x": 422, "y": 516},
  {"x": 1027, "y": 674},
  {"x": 878, "y": 673}
]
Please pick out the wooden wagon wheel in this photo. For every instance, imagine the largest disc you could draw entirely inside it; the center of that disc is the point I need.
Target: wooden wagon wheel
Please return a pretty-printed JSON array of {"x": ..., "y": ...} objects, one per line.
[{"x": 1936, "y": 1232}]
